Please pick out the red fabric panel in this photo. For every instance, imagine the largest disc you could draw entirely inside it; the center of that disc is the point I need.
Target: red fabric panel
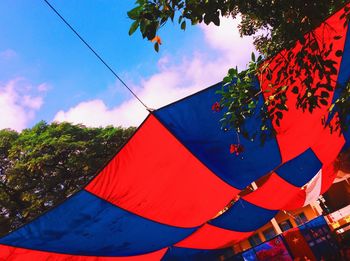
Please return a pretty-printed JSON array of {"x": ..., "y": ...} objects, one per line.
[
  {"x": 211, "y": 237},
  {"x": 296, "y": 202},
  {"x": 20, "y": 254},
  {"x": 274, "y": 194},
  {"x": 156, "y": 177},
  {"x": 329, "y": 173},
  {"x": 299, "y": 130},
  {"x": 329, "y": 144},
  {"x": 298, "y": 246}
]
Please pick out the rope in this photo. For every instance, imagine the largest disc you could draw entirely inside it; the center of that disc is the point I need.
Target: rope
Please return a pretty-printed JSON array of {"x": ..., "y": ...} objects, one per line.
[{"x": 96, "y": 54}]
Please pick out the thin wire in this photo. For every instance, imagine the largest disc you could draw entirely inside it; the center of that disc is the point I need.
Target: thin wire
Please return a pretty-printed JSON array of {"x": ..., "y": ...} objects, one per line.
[{"x": 96, "y": 54}]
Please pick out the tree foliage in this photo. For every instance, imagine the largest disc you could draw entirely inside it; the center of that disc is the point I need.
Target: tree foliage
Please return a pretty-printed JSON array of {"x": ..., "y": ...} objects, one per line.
[
  {"x": 42, "y": 166},
  {"x": 275, "y": 26}
]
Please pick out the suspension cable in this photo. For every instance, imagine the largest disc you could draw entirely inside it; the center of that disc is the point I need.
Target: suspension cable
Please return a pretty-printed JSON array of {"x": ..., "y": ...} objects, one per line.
[{"x": 96, "y": 54}]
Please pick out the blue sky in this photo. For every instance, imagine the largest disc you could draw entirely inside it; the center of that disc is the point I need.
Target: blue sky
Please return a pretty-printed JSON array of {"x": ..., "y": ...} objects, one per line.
[{"x": 48, "y": 74}]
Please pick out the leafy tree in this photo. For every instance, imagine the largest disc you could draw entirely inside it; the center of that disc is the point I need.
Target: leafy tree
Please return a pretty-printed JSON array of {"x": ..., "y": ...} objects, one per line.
[
  {"x": 275, "y": 25},
  {"x": 278, "y": 23},
  {"x": 42, "y": 166}
]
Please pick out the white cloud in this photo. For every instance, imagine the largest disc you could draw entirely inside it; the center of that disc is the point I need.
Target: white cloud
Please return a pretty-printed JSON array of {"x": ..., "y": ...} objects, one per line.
[
  {"x": 227, "y": 39},
  {"x": 95, "y": 113},
  {"x": 18, "y": 104},
  {"x": 8, "y": 54},
  {"x": 44, "y": 87},
  {"x": 173, "y": 80}
]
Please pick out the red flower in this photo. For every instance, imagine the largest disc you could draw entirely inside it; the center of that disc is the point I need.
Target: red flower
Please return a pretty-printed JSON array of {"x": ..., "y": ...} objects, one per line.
[
  {"x": 236, "y": 148},
  {"x": 216, "y": 107}
]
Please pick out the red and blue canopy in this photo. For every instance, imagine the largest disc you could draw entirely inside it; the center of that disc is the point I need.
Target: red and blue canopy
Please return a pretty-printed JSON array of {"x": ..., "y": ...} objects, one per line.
[{"x": 161, "y": 195}]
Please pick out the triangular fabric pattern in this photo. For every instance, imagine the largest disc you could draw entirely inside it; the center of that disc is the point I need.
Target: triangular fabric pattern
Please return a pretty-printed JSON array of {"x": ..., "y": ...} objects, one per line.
[{"x": 164, "y": 192}]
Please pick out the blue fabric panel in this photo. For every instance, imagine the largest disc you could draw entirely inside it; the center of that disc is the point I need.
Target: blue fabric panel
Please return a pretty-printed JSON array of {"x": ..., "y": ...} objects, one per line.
[
  {"x": 344, "y": 72},
  {"x": 343, "y": 78},
  {"x": 87, "y": 225},
  {"x": 301, "y": 169},
  {"x": 244, "y": 217},
  {"x": 189, "y": 254},
  {"x": 194, "y": 123}
]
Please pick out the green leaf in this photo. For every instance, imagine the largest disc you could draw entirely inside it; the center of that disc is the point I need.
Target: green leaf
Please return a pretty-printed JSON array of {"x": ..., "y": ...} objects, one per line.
[
  {"x": 339, "y": 53},
  {"x": 324, "y": 94},
  {"x": 216, "y": 20},
  {"x": 278, "y": 122},
  {"x": 269, "y": 75},
  {"x": 134, "y": 13},
  {"x": 133, "y": 27},
  {"x": 279, "y": 115},
  {"x": 156, "y": 47},
  {"x": 183, "y": 25},
  {"x": 207, "y": 19},
  {"x": 295, "y": 90},
  {"x": 253, "y": 56},
  {"x": 227, "y": 79},
  {"x": 281, "y": 107},
  {"x": 251, "y": 105},
  {"x": 232, "y": 72},
  {"x": 324, "y": 102}
]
